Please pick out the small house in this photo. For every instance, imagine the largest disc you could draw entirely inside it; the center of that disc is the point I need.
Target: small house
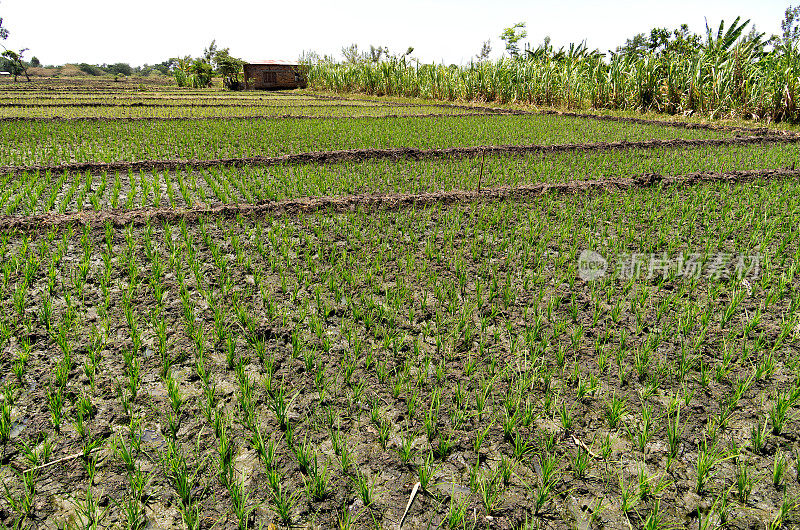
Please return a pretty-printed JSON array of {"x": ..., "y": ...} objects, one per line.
[{"x": 273, "y": 75}]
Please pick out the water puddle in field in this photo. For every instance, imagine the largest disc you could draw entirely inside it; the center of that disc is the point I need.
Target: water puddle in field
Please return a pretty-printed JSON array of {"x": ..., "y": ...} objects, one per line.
[
  {"x": 17, "y": 427},
  {"x": 452, "y": 489},
  {"x": 153, "y": 437}
]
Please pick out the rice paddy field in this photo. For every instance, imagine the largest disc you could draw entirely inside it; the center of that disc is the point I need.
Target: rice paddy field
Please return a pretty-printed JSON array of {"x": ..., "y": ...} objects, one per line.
[{"x": 300, "y": 310}]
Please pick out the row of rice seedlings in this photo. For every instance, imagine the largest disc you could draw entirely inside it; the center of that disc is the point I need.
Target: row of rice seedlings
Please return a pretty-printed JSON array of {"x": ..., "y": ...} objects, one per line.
[
  {"x": 25, "y": 143},
  {"x": 251, "y": 113},
  {"x": 123, "y": 101},
  {"x": 36, "y": 193}
]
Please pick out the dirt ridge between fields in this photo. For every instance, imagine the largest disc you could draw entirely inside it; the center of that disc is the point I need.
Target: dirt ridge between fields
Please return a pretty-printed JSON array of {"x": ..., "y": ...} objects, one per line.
[
  {"x": 379, "y": 201},
  {"x": 396, "y": 153}
]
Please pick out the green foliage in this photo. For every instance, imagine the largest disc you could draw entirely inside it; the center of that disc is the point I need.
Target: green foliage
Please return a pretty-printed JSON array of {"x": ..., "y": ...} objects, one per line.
[
  {"x": 661, "y": 41},
  {"x": 730, "y": 73},
  {"x": 197, "y": 73},
  {"x": 200, "y": 72},
  {"x": 14, "y": 63},
  {"x": 90, "y": 69},
  {"x": 512, "y": 35},
  {"x": 120, "y": 69},
  {"x": 230, "y": 68},
  {"x": 790, "y": 27}
]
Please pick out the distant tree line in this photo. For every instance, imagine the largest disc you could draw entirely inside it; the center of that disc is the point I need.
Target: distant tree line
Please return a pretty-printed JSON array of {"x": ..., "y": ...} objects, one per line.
[{"x": 123, "y": 69}]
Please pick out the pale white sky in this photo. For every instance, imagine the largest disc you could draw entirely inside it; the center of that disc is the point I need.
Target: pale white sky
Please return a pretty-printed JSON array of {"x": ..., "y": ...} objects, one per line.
[{"x": 150, "y": 31}]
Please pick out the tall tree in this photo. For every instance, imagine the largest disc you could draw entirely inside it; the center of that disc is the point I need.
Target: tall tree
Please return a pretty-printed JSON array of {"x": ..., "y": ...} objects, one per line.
[
  {"x": 790, "y": 27},
  {"x": 376, "y": 52},
  {"x": 351, "y": 54},
  {"x": 486, "y": 50},
  {"x": 512, "y": 35},
  {"x": 208, "y": 53},
  {"x": 229, "y": 68},
  {"x": 15, "y": 63},
  {"x": 662, "y": 41}
]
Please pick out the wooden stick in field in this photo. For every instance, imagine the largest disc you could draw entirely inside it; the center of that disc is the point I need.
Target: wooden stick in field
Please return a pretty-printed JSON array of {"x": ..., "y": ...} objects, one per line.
[{"x": 480, "y": 177}]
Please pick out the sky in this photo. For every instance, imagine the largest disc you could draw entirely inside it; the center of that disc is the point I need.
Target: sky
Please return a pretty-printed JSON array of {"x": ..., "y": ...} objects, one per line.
[{"x": 442, "y": 31}]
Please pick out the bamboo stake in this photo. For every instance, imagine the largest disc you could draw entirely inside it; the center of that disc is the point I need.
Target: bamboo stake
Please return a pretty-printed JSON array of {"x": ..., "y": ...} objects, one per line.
[
  {"x": 408, "y": 506},
  {"x": 60, "y": 460}
]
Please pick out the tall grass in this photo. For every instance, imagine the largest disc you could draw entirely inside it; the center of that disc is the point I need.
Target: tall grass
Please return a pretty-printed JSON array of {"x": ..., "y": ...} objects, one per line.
[{"x": 740, "y": 81}]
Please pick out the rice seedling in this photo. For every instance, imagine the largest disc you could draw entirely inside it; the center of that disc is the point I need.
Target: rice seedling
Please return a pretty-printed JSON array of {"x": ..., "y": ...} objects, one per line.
[
  {"x": 778, "y": 469},
  {"x": 406, "y": 448},
  {"x": 22, "y": 504},
  {"x": 456, "y": 516},
  {"x": 364, "y": 489},
  {"x": 758, "y": 436},
  {"x": 284, "y": 503},
  {"x": 489, "y": 491},
  {"x": 707, "y": 460},
  {"x": 317, "y": 484},
  {"x": 426, "y": 470},
  {"x": 777, "y": 414},
  {"x": 614, "y": 411}
]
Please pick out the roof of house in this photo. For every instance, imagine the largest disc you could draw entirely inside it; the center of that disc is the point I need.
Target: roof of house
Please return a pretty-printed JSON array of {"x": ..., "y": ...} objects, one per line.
[{"x": 273, "y": 62}]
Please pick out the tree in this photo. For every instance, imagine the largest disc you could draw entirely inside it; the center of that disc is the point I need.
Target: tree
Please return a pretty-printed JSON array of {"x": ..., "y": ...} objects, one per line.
[
  {"x": 200, "y": 73},
  {"x": 662, "y": 41},
  {"x": 164, "y": 68},
  {"x": 181, "y": 66},
  {"x": 722, "y": 42},
  {"x": 90, "y": 69},
  {"x": 376, "y": 52},
  {"x": 211, "y": 51},
  {"x": 790, "y": 27},
  {"x": 351, "y": 54},
  {"x": 512, "y": 35},
  {"x": 120, "y": 69},
  {"x": 15, "y": 64},
  {"x": 35, "y": 62},
  {"x": 486, "y": 49},
  {"x": 228, "y": 67}
]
